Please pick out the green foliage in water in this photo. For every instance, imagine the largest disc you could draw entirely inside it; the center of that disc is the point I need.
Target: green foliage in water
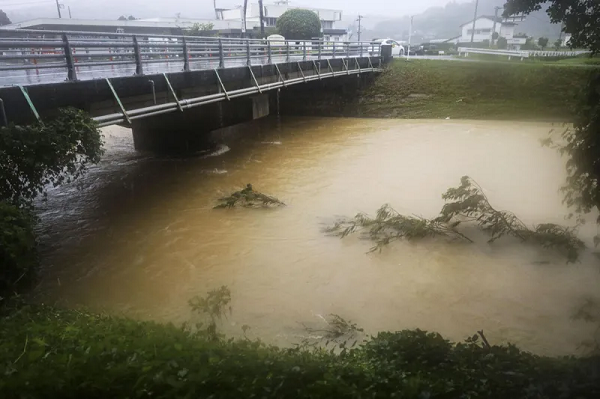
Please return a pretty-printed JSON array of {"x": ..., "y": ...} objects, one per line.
[
  {"x": 214, "y": 306},
  {"x": 52, "y": 353},
  {"x": 466, "y": 203},
  {"x": 388, "y": 225},
  {"x": 249, "y": 198},
  {"x": 39, "y": 155},
  {"x": 18, "y": 255}
]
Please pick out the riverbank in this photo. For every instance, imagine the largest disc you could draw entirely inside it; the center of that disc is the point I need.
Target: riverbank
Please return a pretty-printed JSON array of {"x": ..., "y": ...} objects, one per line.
[
  {"x": 55, "y": 353},
  {"x": 475, "y": 90}
]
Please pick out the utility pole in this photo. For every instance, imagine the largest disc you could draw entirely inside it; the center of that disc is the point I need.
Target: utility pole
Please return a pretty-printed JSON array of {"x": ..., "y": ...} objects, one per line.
[
  {"x": 58, "y": 8},
  {"x": 360, "y": 17},
  {"x": 70, "y": 12},
  {"x": 474, "y": 19},
  {"x": 494, "y": 28},
  {"x": 409, "y": 36},
  {"x": 262, "y": 19}
]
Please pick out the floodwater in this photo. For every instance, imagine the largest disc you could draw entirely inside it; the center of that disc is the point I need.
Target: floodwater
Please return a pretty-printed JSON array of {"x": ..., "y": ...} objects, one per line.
[{"x": 138, "y": 235}]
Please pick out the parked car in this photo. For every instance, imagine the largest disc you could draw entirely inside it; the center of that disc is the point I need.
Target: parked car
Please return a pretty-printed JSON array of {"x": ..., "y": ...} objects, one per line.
[{"x": 397, "y": 48}]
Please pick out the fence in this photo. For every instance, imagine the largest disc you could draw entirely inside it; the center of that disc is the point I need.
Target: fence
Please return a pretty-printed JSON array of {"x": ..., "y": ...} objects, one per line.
[
  {"x": 80, "y": 55},
  {"x": 521, "y": 53}
]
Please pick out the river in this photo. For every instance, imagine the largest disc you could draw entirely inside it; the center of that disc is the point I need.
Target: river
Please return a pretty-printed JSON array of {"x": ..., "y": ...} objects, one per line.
[{"x": 138, "y": 236}]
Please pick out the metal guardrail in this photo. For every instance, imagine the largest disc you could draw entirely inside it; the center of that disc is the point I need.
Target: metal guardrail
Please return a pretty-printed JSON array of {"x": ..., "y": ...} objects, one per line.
[
  {"x": 71, "y": 54},
  {"x": 544, "y": 53},
  {"x": 510, "y": 53},
  {"x": 79, "y": 54},
  {"x": 520, "y": 53}
]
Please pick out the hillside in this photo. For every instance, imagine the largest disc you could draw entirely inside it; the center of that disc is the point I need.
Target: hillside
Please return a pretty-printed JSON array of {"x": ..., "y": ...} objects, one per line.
[{"x": 444, "y": 22}]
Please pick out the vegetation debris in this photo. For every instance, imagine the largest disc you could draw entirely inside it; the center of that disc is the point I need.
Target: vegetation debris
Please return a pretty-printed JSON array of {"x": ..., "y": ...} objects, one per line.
[
  {"x": 466, "y": 203},
  {"x": 249, "y": 198}
]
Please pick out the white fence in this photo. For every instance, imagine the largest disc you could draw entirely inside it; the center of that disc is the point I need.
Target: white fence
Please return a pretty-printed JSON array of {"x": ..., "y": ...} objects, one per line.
[{"x": 520, "y": 53}]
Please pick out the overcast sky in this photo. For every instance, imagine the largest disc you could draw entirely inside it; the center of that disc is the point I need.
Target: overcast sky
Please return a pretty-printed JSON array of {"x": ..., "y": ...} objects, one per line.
[{"x": 203, "y": 8}]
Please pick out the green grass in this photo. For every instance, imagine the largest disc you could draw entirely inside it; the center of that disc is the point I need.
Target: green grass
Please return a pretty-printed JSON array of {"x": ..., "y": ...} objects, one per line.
[
  {"x": 475, "y": 90},
  {"x": 52, "y": 353}
]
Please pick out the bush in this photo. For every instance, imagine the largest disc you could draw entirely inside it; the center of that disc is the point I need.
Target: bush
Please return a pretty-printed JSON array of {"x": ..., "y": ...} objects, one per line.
[
  {"x": 50, "y": 153},
  {"x": 51, "y": 353},
  {"x": 298, "y": 24},
  {"x": 18, "y": 256}
]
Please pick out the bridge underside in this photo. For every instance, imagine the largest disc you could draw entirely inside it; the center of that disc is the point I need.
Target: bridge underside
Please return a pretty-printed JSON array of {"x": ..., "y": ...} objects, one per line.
[{"x": 175, "y": 111}]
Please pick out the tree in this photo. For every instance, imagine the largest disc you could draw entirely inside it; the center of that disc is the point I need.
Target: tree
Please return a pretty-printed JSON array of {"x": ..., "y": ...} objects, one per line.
[
  {"x": 131, "y": 18},
  {"x": 299, "y": 24},
  {"x": 529, "y": 44},
  {"x": 36, "y": 156},
  {"x": 581, "y": 145},
  {"x": 199, "y": 29},
  {"x": 557, "y": 44},
  {"x": 4, "y": 20},
  {"x": 543, "y": 42},
  {"x": 579, "y": 17},
  {"x": 502, "y": 42},
  {"x": 122, "y": 18}
]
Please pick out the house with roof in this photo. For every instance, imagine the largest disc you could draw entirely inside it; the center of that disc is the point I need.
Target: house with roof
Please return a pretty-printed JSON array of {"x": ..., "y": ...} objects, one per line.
[
  {"x": 330, "y": 19},
  {"x": 485, "y": 26}
]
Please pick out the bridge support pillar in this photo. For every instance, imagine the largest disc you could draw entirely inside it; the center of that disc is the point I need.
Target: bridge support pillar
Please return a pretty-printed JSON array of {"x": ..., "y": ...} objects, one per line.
[
  {"x": 189, "y": 131},
  {"x": 260, "y": 106}
]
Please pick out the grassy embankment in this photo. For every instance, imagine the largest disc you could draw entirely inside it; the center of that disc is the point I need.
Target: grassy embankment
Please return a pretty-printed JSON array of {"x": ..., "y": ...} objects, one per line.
[
  {"x": 52, "y": 353},
  {"x": 476, "y": 90}
]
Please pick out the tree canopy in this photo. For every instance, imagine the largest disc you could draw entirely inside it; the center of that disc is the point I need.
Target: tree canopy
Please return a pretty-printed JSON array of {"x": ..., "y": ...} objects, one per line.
[
  {"x": 299, "y": 24},
  {"x": 35, "y": 156},
  {"x": 4, "y": 20},
  {"x": 543, "y": 42},
  {"x": 579, "y": 18}
]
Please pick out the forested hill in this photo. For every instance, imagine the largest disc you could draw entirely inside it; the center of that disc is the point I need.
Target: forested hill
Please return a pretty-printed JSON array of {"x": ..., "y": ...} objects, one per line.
[{"x": 444, "y": 22}]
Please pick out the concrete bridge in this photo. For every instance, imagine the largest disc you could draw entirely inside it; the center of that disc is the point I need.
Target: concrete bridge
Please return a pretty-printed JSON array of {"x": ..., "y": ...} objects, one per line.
[{"x": 172, "y": 89}]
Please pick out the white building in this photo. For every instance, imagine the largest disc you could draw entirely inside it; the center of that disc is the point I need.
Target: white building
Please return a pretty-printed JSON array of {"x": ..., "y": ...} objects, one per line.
[
  {"x": 329, "y": 18},
  {"x": 485, "y": 26}
]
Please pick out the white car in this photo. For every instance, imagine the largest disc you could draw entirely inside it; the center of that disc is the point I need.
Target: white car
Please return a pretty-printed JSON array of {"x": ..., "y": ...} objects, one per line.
[{"x": 397, "y": 48}]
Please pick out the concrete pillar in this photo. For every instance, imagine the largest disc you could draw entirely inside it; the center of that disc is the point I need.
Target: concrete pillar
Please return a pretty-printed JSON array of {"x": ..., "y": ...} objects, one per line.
[
  {"x": 189, "y": 131},
  {"x": 260, "y": 106}
]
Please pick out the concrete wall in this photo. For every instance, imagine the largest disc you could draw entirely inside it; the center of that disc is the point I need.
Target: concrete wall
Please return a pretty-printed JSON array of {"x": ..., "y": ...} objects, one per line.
[{"x": 337, "y": 97}]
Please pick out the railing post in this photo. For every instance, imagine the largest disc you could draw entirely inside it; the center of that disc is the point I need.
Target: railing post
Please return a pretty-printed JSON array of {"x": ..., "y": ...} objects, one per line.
[
  {"x": 348, "y": 50},
  {"x": 71, "y": 73},
  {"x": 333, "y": 52},
  {"x": 304, "y": 51},
  {"x": 361, "y": 49},
  {"x": 287, "y": 51},
  {"x": 269, "y": 60},
  {"x": 138, "y": 57},
  {"x": 320, "y": 45},
  {"x": 248, "y": 60},
  {"x": 221, "y": 55},
  {"x": 186, "y": 56}
]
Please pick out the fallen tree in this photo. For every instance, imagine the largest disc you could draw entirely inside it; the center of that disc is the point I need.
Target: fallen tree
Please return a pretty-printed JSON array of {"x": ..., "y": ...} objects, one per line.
[{"x": 465, "y": 204}]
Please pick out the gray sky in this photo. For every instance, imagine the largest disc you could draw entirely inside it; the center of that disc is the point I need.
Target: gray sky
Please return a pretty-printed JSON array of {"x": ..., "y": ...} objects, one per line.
[{"x": 203, "y": 8}]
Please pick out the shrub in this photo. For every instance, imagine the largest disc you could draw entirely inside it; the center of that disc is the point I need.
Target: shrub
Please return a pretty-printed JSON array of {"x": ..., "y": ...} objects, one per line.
[
  {"x": 52, "y": 353},
  {"x": 18, "y": 256},
  {"x": 50, "y": 153},
  {"x": 298, "y": 24}
]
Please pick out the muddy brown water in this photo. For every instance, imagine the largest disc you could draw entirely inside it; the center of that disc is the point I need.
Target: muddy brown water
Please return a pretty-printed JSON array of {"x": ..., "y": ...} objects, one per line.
[{"x": 138, "y": 235}]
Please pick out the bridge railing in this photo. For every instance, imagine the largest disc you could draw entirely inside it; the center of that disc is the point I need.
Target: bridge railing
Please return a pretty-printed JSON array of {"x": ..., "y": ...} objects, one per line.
[{"x": 87, "y": 55}]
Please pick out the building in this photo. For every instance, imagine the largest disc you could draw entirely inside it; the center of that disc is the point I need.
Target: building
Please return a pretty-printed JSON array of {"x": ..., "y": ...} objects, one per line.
[
  {"x": 329, "y": 18},
  {"x": 153, "y": 26},
  {"x": 485, "y": 26}
]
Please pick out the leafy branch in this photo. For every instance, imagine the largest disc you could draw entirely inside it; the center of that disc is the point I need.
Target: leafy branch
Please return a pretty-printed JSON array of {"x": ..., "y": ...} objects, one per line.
[
  {"x": 466, "y": 203},
  {"x": 248, "y": 198},
  {"x": 389, "y": 225}
]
